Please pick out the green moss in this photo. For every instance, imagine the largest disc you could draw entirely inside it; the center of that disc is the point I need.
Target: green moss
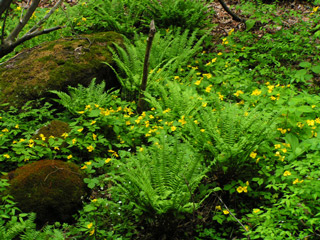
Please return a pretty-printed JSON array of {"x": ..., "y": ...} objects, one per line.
[
  {"x": 56, "y": 65},
  {"x": 51, "y": 188}
]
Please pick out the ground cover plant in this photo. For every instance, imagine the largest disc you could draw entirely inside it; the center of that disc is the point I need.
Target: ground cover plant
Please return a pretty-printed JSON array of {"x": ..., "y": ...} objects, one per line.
[{"x": 227, "y": 146}]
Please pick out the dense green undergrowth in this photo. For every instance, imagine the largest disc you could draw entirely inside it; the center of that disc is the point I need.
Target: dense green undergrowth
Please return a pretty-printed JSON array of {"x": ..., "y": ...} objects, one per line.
[{"x": 226, "y": 148}]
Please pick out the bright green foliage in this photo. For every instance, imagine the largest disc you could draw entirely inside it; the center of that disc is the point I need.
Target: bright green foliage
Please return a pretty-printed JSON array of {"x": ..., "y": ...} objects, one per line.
[
  {"x": 162, "y": 179},
  {"x": 231, "y": 133},
  {"x": 79, "y": 97},
  {"x": 25, "y": 229},
  {"x": 122, "y": 16},
  {"x": 185, "y": 14},
  {"x": 168, "y": 54}
]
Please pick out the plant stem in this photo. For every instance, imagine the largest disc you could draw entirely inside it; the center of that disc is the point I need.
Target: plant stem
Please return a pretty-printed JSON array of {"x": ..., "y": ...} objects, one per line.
[{"x": 145, "y": 67}]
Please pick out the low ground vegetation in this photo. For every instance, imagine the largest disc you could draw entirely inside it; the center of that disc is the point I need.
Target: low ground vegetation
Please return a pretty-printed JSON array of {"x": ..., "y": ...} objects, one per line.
[{"x": 227, "y": 146}]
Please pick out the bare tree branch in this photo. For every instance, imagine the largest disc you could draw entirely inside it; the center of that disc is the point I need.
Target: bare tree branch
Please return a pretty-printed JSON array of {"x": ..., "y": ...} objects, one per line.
[
  {"x": 14, "y": 34},
  {"x": 45, "y": 18},
  {"x": 232, "y": 14},
  {"x": 5, "y": 50},
  {"x": 4, "y": 5}
]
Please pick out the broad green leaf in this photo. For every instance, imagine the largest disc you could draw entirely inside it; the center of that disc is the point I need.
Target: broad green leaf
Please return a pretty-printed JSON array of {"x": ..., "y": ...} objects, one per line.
[
  {"x": 316, "y": 69},
  {"x": 249, "y": 24},
  {"x": 305, "y": 64}
]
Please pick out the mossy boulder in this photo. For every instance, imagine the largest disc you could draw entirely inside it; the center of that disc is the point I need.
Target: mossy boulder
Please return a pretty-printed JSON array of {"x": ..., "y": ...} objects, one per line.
[
  {"x": 56, "y": 65},
  {"x": 53, "y": 189}
]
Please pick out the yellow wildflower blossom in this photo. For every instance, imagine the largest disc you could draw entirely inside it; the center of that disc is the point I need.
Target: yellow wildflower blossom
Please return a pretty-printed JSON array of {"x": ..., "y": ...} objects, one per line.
[
  {"x": 253, "y": 154},
  {"x": 256, "y": 92},
  {"x": 287, "y": 173},
  {"x": 90, "y": 148}
]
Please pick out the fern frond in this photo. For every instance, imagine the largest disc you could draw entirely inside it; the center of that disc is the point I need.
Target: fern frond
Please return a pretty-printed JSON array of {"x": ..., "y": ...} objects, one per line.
[{"x": 156, "y": 180}]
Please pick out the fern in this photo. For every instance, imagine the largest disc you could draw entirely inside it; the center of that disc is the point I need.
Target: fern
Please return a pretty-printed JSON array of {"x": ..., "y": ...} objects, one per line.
[
  {"x": 181, "y": 99},
  {"x": 187, "y": 14},
  {"x": 81, "y": 96},
  {"x": 168, "y": 54},
  {"x": 232, "y": 133},
  {"x": 161, "y": 179}
]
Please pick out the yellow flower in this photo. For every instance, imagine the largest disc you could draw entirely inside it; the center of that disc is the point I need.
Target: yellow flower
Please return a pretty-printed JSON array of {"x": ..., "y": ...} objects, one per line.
[
  {"x": 18, "y": 8},
  {"x": 300, "y": 124},
  {"x": 218, "y": 207},
  {"x": 237, "y": 94},
  {"x": 69, "y": 157},
  {"x": 207, "y": 75},
  {"x": 256, "y": 92},
  {"x": 167, "y": 110},
  {"x": 253, "y": 154},
  {"x": 6, "y": 155},
  {"x": 245, "y": 189},
  {"x": 310, "y": 122},
  {"x": 107, "y": 160},
  {"x": 65, "y": 135},
  {"x": 94, "y": 200},
  {"x": 221, "y": 97},
  {"x": 141, "y": 149},
  {"x": 226, "y": 212},
  {"x": 231, "y": 31},
  {"x": 90, "y": 148},
  {"x": 220, "y": 53},
  {"x": 92, "y": 122},
  {"x": 80, "y": 130},
  {"x": 208, "y": 89},
  {"x": 173, "y": 128},
  {"x": 90, "y": 225},
  {"x": 202, "y": 130},
  {"x": 286, "y": 173},
  {"x": 16, "y": 126},
  {"x": 204, "y": 104},
  {"x": 94, "y": 137},
  {"x": 84, "y": 167},
  {"x": 182, "y": 121},
  {"x": 239, "y": 189},
  {"x": 198, "y": 82},
  {"x": 43, "y": 138},
  {"x": 84, "y": 19},
  {"x": 91, "y": 232},
  {"x": 284, "y": 150},
  {"x": 74, "y": 141},
  {"x": 5, "y": 130},
  {"x": 196, "y": 121},
  {"x": 297, "y": 181},
  {"x": 56, "y": 148},
  {"x": 256, "y": 210},
  {"x": 81, "y": 112},
  {"x": 88, "y": 163},
  {"x": 176, "y": 77},
  {"x": 276, "y": 146}
]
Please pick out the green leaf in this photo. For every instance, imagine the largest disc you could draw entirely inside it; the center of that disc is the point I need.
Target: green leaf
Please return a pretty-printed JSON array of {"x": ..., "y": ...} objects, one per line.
[
  {"x": 292, "y": 140},
  {"x": 316, "y": 69},
  {"x": 305, "y": 64},
  {"x": 249, "y": 24},
  {"x": 94, "y": 113}
]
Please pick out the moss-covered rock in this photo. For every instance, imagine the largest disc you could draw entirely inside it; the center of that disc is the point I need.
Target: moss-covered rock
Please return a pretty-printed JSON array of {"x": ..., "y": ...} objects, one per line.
[
  {"x": 52, "y": 189},
  {"x": 56, "y": 65}
]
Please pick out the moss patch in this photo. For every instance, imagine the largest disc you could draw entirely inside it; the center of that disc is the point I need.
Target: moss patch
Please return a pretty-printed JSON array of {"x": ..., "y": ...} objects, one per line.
[
  {"x": 52, "y": 189},
  {"x": 56, "y": 65}
]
